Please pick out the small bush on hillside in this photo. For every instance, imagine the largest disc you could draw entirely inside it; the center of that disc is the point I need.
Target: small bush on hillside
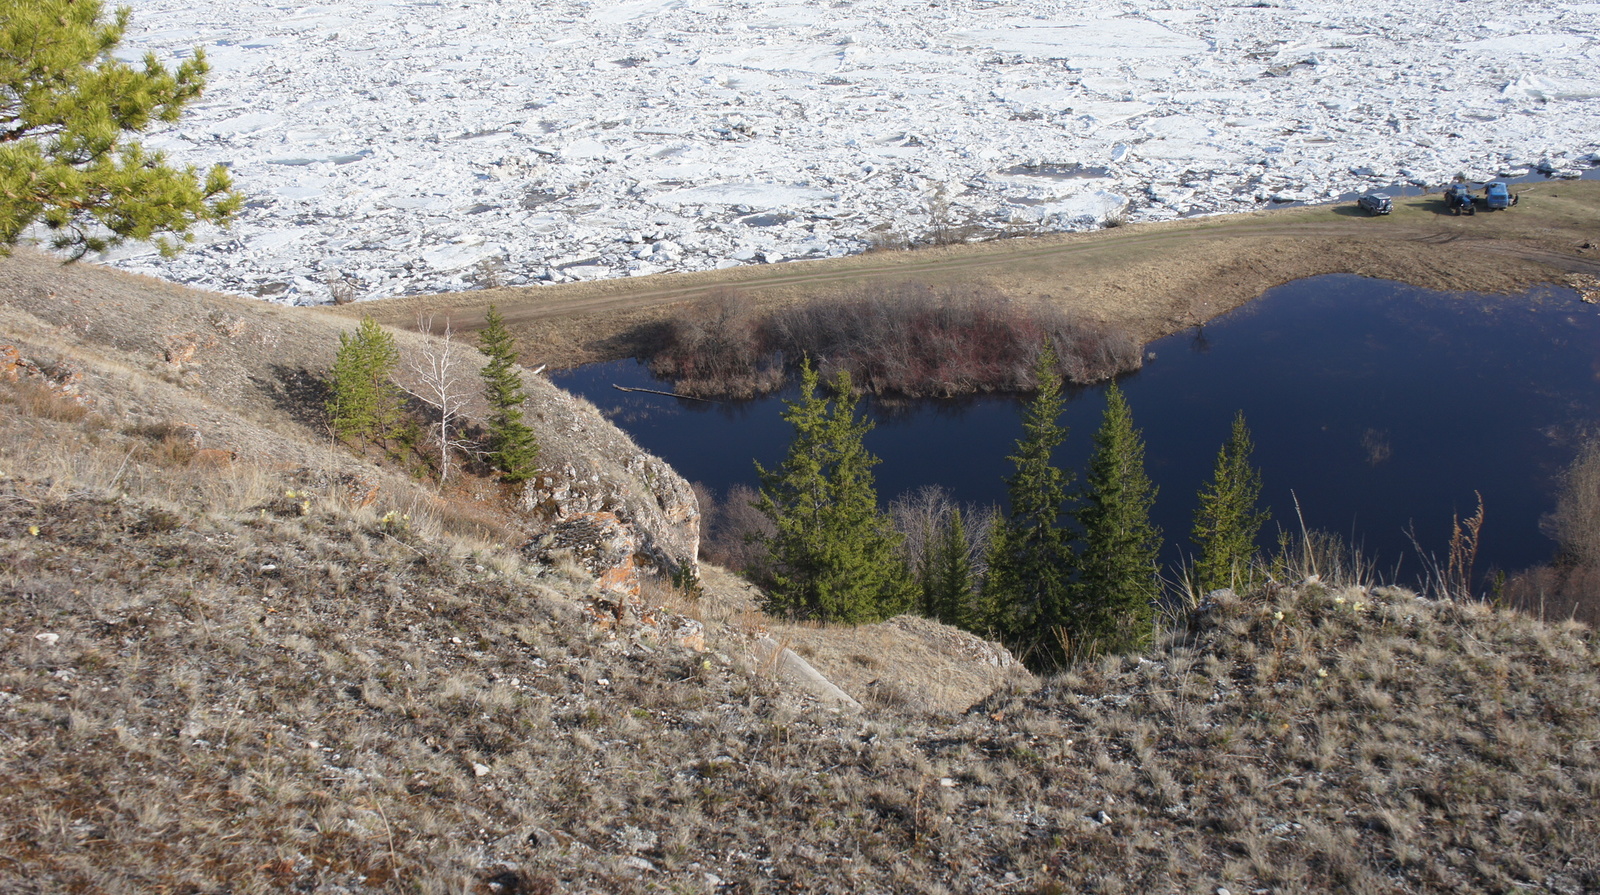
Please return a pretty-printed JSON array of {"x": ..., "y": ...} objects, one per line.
[{"x": 365, "y": 403}]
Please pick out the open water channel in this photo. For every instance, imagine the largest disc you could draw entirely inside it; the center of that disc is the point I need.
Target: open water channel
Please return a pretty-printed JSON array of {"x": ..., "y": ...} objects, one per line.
[{"x": 1380, "y": 407}]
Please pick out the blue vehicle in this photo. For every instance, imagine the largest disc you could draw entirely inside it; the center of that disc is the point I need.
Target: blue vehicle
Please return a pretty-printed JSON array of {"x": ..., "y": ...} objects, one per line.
[
  {"x": 1498, "y": 195},
  {"x": 1458, "y": 198}
]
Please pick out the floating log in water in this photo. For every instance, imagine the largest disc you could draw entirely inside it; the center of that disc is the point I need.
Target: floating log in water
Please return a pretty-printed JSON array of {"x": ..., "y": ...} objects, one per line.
[{"x": 651, "y": 391}]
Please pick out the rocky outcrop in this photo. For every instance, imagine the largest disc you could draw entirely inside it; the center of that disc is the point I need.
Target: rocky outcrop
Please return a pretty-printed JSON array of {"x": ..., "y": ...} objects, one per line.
[
  {"x": 617, "y": 511},
  {"x": 64, "y": 379},
  {"x": 599, "y": 543}
]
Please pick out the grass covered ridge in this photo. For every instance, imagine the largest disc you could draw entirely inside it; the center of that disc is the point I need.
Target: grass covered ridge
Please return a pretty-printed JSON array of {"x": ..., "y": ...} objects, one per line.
[{"x": 235, "y": 659}]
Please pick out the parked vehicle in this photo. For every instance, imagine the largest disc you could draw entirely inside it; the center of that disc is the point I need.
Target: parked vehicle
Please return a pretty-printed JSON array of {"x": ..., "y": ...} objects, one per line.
[
  {"x": 1498, "y": 195},
  {"x": 1458, "y": 198},
  {"x": 1376, "y": 203}
]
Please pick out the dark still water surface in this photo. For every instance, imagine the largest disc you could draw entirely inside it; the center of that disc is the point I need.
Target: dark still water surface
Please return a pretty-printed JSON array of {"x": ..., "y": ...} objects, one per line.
[{"x": 1380, "y": 406}]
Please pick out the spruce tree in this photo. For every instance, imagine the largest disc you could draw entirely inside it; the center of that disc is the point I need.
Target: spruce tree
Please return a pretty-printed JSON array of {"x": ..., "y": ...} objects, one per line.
[
  {"x": 1031, "y": 553},
  {"x": 1228, "y": 520},
  {"x": 67, "y": 108},
  {"x": 364, "y": 401},
  {"x": 834, "y": 553},
  {"x": 947, "y": 585},
  {"x": 513, "y": 449},
  {"x": 1117, "y": 588}
]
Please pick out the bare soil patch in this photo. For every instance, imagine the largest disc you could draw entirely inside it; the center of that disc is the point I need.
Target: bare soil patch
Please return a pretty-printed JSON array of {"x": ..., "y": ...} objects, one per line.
[{"x": 1150, "y": 280}]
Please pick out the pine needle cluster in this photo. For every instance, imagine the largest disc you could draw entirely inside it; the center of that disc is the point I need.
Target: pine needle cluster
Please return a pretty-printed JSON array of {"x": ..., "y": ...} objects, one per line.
[{"x": 68, "y": 106}]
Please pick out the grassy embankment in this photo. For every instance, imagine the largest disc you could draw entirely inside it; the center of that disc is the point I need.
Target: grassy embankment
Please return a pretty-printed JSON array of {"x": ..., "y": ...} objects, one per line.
[{"x": 1146, "y": 280}]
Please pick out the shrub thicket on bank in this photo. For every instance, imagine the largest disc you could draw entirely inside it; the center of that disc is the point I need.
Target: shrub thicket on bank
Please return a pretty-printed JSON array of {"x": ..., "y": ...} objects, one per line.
[
  {"x": 909, "y": 340},
  {"x": 1569, "y": 587}
]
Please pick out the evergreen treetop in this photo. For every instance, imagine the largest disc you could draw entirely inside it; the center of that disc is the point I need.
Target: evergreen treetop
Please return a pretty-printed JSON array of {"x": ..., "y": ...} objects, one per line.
[
  {"x": 67, "y": 108},
  {"x": 833, "y": 550},
  {"x": 1031, "y": 553},
  {"x": 1228, "y": 520},
  {"x": 948, "y": 583},
  {"x": 513, "y": 449},
  {"x": 1117, "y": 587}
]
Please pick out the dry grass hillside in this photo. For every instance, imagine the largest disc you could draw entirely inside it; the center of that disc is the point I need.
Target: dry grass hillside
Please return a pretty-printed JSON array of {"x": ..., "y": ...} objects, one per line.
[{"x": 226, "y": 673}]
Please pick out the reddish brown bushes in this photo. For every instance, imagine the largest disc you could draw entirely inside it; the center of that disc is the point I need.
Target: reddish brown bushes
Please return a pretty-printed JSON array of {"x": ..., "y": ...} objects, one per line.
[{"x": 909, "y": 340}]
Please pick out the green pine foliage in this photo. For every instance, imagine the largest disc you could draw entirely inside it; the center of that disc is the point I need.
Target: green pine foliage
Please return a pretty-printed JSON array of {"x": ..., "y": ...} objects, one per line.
[
  {"x": 1228, "y": 521},
  {"x": 1031, "y": 554},
  {"x": 1117, "y": 587},
  {"x": 67, "y": 108},
  {"x": 834, "y": 554},
  {"x": 364, "y": 402},
  {"x": 949, "y": 576},
  {"x": 513, "y": 449}
]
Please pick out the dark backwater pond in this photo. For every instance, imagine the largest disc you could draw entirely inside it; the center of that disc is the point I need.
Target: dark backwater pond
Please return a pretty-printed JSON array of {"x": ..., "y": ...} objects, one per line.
[{"x": 1381, "y": 407}]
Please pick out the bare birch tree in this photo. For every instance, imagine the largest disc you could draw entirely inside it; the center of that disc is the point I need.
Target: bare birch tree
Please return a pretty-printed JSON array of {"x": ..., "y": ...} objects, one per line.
[{"x": 437, "y": 369}]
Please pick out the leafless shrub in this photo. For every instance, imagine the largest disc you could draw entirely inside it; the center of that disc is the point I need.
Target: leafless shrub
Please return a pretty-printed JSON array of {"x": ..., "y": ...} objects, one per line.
[
  {"x": 1575, "y": 524},
  {"x": 733, "y": 531},
  {"x": 906, "y": 340},
  {"x": 926, "y": 520},
  {"x": 716, "y": 348},
  {"x": 941, "y": 228},
  {"x": 1570, "y": 586},
  {"x": 919, "y": 516},
  {"x": 341, "y": 289},
  {"x": 887, "y": 240},
  {"x": 489, "y": 273},
  {"x": 922, "y": 516},
  {"x": 1557, "y": 592},
  {"x": 438, "y": 369}
]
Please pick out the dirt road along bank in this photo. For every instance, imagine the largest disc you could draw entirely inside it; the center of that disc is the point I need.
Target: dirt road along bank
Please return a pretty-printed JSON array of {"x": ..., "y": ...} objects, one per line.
[{"x": 1150, "y": 279}]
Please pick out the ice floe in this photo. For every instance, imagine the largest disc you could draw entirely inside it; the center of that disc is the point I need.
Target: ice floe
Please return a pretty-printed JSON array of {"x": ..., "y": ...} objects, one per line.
[{"x": 402, "y": 146}]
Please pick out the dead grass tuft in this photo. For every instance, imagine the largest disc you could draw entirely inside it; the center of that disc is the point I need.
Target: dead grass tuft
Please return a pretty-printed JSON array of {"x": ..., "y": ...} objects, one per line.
[{"x": 28, "y": 398}]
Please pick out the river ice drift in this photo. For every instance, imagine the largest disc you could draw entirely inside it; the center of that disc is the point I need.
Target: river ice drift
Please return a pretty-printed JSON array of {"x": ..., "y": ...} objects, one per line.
[{"x": 405, "y": 146}]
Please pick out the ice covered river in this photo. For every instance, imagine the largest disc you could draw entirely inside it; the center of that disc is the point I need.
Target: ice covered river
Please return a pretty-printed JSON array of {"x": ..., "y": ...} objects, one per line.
[{"x": 403, "y": 146}]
